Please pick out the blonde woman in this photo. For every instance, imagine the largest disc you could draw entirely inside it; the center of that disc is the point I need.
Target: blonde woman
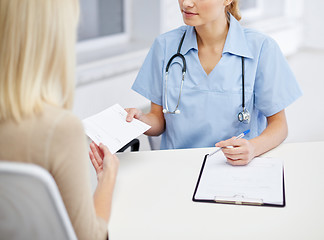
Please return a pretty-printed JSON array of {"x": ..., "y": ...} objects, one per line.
[
  {"x": 37, "y": 42},
  {"x": 213, "y": 79}
]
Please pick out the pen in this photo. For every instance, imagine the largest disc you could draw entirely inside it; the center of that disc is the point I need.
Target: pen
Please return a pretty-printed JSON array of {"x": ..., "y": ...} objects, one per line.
[{"x": 238, "y": 137}]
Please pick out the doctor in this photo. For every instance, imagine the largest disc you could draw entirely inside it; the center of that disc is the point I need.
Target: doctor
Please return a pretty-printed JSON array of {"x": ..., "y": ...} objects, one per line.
[{"x": 213, "y": 79}]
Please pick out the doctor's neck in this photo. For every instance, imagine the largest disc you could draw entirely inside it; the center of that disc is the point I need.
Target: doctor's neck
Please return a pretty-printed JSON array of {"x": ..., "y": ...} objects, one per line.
[{"x": 212, "y": 33}]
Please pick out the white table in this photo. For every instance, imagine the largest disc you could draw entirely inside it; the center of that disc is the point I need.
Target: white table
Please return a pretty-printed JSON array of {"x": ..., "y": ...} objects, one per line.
[{"x": 153, "y": 199}]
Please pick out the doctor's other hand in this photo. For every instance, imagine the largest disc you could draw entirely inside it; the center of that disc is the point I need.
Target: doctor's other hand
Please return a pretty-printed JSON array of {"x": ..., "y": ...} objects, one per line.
[
  {"x": 133, "y": 113},
  {"x": 105, "y": 163},
  {"x": 237, "y": 151}
]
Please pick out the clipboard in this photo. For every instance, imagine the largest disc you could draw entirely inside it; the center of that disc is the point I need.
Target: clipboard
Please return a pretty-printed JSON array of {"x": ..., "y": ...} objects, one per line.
[{"x": 238, "y": 197}]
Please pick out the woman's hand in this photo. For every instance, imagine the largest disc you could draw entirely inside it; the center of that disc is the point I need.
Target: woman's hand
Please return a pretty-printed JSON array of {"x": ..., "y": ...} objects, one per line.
[
  {"x": 237, "y": 151},
  {"x": 105, "y": 163},
  {"x": 133, "y": 113}
]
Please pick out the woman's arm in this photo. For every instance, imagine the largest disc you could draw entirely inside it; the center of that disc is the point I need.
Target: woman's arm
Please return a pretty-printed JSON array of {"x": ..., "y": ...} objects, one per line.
[
  {"x": 69, "y": 164},
  {"x": 155, "y": 118},
  {"x": 245, "y": 150},
  {"x": 106, "y": 166}
]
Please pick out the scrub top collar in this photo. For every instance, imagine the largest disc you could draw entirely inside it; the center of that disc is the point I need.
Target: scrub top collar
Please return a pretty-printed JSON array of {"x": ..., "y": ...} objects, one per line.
[
  {"x": 190, "y": 40},
  {"x": 235, "y": 43}
]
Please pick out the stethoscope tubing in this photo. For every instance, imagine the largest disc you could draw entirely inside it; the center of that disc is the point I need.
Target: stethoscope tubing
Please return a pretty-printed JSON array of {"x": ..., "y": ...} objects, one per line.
[
  {"x": 184, "y": 70},
  {"x": 184, "y": 66},
  {"x": 243, "y": 116}
]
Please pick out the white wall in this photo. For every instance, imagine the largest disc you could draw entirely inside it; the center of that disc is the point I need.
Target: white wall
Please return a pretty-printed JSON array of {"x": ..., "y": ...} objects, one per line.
[
  {"x": 171, "y": 17},
  {"x": 95, "y": 97},
  {"x": 313, "y": 24},
  {"x": 305, "y": 116}
]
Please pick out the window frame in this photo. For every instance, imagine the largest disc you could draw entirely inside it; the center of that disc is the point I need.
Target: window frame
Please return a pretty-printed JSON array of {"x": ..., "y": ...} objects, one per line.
[{"x": 109, "y": 40}]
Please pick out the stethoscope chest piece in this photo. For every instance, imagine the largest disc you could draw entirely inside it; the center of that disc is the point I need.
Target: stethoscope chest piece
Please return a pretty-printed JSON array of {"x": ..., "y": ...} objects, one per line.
[{"x": 244, "y": 116}]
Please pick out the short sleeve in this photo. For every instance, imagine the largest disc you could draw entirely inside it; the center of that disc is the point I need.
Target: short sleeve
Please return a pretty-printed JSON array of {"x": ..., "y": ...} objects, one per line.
[
  {"x": 275, "y": 85},
  {"x": 149, "y": 81}
]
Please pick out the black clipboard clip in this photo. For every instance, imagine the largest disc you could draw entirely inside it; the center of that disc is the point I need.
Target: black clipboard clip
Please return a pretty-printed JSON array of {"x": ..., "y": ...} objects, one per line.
[{"x": 238, "y": 199}]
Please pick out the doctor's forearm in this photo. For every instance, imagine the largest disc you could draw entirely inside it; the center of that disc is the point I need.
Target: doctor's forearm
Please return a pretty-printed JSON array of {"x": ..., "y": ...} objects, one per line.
[
  {"x": 155, "y": 118},
  {"x": 157, "y": 124},
  {"x": 275, "y": 133}
]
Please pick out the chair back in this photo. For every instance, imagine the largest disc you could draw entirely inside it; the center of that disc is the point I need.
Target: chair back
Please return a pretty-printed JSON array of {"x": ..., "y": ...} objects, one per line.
[
  {"x": 155, "y": 142},
  {"x": 31, "y": 206}
]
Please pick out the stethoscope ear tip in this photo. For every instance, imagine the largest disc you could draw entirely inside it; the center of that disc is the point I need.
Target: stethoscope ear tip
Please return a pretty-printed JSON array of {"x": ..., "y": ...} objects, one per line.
[
  {"x": 164, "y": 110},
  {"x": 177, "y": 111}
]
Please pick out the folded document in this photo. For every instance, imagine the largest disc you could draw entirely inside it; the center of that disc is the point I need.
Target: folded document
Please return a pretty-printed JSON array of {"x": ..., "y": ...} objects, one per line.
[{"x": 110, "y": 128}]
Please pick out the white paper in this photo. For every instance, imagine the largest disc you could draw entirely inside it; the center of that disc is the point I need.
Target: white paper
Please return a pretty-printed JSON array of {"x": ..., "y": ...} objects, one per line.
[
  {"x": 261, "y": 179},
  {"x": 110, "y": 128}
]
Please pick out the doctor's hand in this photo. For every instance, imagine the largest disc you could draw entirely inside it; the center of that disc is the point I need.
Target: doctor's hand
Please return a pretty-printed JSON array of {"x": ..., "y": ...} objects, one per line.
[
  {"x": 133, "y": 113},
  {"x": 105, "y": 163},
  {"x": 237, "y": 151}
]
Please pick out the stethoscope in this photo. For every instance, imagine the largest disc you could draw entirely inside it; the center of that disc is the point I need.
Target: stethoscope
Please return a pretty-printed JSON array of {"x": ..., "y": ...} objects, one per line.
[{"x": 243, "y": 116}]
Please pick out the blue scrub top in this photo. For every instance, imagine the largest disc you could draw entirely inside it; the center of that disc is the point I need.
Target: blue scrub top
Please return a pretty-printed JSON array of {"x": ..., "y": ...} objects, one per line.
[{"x": 210, "y": 104}]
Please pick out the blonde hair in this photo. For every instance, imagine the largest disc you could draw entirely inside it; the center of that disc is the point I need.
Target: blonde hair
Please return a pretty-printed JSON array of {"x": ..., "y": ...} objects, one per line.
[
  {"x": 233, "y": 8},
  {"x": 37, "y": 58}
]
